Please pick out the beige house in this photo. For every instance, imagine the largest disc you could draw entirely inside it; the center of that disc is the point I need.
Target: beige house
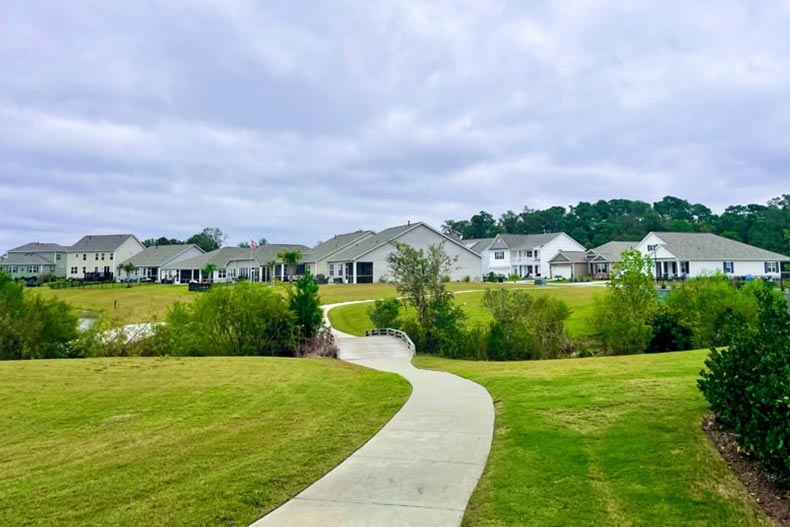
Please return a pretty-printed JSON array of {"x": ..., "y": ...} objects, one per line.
[{"x": 97, "y": 256}]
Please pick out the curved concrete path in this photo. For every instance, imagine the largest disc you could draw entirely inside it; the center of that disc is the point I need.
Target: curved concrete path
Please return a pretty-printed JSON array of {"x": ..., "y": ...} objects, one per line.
[{"x": 419, "y": 470}]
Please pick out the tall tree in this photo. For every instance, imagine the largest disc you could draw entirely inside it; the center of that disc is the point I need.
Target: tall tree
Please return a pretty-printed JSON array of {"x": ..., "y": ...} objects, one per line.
[
  {"x": 291, "y": 259},
  {"x": 209, "y": 239}
]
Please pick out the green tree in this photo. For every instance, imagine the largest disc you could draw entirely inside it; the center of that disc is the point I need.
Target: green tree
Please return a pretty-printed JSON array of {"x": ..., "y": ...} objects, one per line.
[
  {"x": 385, "y": 312},
  {"x": 623, "y": 315},
  {"x": 418, "y": 277},
  {"x": 305, "y": 304},
  {"x": 209, "y": 239},
  {"x": 207, "y": 273},
  {"x": 291, "y": 259}
]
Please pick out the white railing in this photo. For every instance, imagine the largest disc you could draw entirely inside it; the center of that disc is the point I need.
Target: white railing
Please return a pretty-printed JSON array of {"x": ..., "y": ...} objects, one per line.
[{"x": 389, "y": 332}]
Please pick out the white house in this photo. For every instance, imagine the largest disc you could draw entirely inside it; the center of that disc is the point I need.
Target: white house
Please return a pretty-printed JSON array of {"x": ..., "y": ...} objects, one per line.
[
  {"x": 96, "y": 257},
  {"x": 526, "y": 254},
  {"x": 148, "y": 264},
  {"x": 365, "y": 261},
  {"x": 685, "y": 254}
]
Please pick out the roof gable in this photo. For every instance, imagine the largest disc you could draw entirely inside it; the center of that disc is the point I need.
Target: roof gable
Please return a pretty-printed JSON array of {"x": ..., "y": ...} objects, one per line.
[{"x": 101, "y": 242}]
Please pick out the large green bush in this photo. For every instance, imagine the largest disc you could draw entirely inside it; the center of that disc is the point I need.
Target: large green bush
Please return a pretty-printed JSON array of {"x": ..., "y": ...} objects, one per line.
[
  {"x": 305, "y": 304},
  {"x": 247, "y": 319},
  {"x": 748, "y": 384},
  {"x": 32, "y": 327},
  {"x": 384, "y": 313}
]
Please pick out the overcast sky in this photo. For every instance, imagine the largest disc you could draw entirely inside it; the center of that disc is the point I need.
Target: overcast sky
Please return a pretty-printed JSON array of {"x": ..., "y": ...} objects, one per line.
[{"x": 298, "y": 120}]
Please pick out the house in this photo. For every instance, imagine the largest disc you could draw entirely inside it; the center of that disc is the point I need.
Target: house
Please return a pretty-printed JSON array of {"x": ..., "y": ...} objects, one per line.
[
  {"x": 569, "y": 265},
  {"x": 34, "y": 260},
  {"x": 365, "y": 260},
  {"x": 317, "y": 259},
  {"x": 235, "y": 263},
  {"x": 149, "y": 263},
  {"x": 692, "y": 254},
  {"x": 96, "y": 256},
  {"x": 602, "y": 258},
  {"x": 525, "y": 254}
]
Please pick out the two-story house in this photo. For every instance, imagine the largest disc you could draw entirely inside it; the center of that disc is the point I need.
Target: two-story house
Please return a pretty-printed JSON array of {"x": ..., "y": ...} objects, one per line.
[
  {"x": 97, "y": 256},
  {"x": 527, "y": 255},
  {"x": 35, "y": 260}
]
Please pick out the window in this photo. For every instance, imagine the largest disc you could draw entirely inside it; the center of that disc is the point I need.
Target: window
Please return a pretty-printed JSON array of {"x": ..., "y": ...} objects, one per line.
[
  {"x": 111, "y": 255},
  {"x": 222, "y": 273},
  {"x": 729, "y": 267},
  {"x": 57, "y": 257},
  {"x": 652, "y": 248},
  {"x": 84, "y": 269},
  {"x": 331, "y": 269},
  {"x": 84, "y": 257},
  {"x": 771, "y": 267},
  {"x": 73, "y": 270},
  {"x": 32, "y": 269},
  {"x": 536, "y": 254},
  {"x": 684, "y": 268},
  {"x": 102, "y": 256},
  {"x": 499, "y": 255},
  {"x": 529, "y": 253},
  {"x": 600, "y": 268},
  {"x": 96, "y": 257},
  {"x": 14, "y": 269}
]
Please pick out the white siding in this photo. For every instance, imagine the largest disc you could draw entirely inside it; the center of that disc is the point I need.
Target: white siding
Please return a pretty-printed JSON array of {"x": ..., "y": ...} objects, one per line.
[
  {"x": 548, "y": 251},
  {"x": 421, "y": 237}
]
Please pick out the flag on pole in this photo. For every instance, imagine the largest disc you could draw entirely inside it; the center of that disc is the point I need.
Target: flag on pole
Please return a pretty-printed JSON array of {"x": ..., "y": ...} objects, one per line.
[{"x": 253, "y": 245}]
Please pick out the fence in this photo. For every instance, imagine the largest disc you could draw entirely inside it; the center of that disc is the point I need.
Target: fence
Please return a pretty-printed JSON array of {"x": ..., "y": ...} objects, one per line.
[
  {"x": 69, "y": 284},
  {"x": 389, "y": 332}
]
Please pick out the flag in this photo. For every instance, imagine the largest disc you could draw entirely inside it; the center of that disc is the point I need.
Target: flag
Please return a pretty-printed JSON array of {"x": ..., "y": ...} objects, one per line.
[{"x": 253, "y": 245}]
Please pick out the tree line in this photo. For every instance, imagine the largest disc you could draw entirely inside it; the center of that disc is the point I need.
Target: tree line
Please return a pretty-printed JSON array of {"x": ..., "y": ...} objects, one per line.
[
  {"x": 209, "y": 239},
  {"x": 592, "y": 224}
]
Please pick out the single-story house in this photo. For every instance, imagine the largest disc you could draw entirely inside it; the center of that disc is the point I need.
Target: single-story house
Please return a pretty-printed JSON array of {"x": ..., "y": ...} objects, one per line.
[
  {"x": 603, "y": 258},
  {"x": 235, "y": 263},
  {"x": 96, "y": 256},
  {"x": 524, "y": 254},
  {"x": 35, "y": 260},
  {"x": 149, "y": 263},
  {"x": 317, "y": 259},
  {"x": 365, "y": 260},
  {"x": 692, "y": 254}
]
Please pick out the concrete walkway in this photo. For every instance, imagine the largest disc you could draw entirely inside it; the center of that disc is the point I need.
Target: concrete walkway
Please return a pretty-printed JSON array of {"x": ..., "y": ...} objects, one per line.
[{"x": 419, "y": 470}]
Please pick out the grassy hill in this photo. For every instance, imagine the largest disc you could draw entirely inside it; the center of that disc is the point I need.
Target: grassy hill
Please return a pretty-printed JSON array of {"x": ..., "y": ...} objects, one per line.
[{"x": 152, "y": 441}]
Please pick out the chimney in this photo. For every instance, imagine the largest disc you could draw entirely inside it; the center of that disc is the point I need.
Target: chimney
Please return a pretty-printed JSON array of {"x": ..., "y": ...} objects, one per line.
[{"x": 408, "y": 222}]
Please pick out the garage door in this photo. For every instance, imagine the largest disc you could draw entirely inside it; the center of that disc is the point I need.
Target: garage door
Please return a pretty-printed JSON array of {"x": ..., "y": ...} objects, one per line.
[{"x": 561, "y": 271}]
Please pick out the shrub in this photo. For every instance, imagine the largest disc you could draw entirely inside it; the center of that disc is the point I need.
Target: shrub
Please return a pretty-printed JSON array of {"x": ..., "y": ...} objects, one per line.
[
  {"x": 514, "y": 277},
  {"x": 669, "y": 334},
  {"x": 32, "y": 327},
  {"x": 467, "y": 279},
  {"x": 748, "y": 385},
  {"x": 384, "y": 313},
  {"x": 305, "y": 304},
  {"x": 246, "y": 319}
]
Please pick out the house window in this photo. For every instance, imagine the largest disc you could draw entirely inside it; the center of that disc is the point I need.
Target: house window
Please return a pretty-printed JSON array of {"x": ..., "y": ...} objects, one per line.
[
  {"x": 685, "y": 268},
  {"x": 102, "y": 256},
  {"x": 14, "y": 269},
  {"x": 729, "y": 267},
  {"x": 222, "y": 273},
  {"x": 73, "y": 270},
  {"x": 652, "y": 248},
  {"x": 529, "y": 253},
  {"x": 499, "y": 255},
  {"x": 96, "y": 257},
  {"x": 600, "y": 268},
  {"x": 84, "y": 269},
  {"x": 111, "y": 255},
  {"x": 84, "y": 257},
  {"x": 771, "y": 267},
  {"x": 331, "y": 269},
  {"x": 57, "y": 257},
  {"x": 536, "y": 253}
]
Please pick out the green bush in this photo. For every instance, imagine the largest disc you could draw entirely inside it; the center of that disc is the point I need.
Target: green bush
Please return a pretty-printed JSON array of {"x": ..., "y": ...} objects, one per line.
[
  {"x": 669, "y": 334},
  {"x": 384, "y": 313},
  {"x": 305, "y": 304},
  {"x": 32, "y": 327},
  {"x": 748, "y": 384},
  {"x": 246, "y": 319}
]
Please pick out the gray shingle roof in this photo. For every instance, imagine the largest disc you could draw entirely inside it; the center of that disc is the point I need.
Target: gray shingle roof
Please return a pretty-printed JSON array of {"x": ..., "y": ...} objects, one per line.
[
  {"x": 100, "y": 242},
  {"x": 611, "y": 251},
  {"x": 336, "y": 243},
  {"x": 18, "y": 258},
  {"x": 220, "y": 257},
  {"x": 523, "y": 241},
  {"x": 158, "y": 255},
  {"x": 707, "y": 246},
  {"x": 569, "y": 256},
  {"x": 478, "y": 245},
  {"x": 368, "y": 244},
  {"x": 36, "y": 247}
]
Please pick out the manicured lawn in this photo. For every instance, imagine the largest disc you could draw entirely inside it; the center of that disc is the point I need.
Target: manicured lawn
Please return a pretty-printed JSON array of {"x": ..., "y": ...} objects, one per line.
[
  {"x": 150, "y": 303},
  {"x": 354, "y": 318},
  {"x": 208, "y": 441},
  {"x": 145, "y": 303},
  {"x": 612, "y": 441}
]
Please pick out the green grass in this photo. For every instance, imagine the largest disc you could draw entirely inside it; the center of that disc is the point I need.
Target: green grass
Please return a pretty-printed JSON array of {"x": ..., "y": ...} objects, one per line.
[
  {"x": 354, "y": 318},
  {"x": 150, "y": 303},
  {"x": 208, "y": 441},
  {"x": 612, "y": 441}
]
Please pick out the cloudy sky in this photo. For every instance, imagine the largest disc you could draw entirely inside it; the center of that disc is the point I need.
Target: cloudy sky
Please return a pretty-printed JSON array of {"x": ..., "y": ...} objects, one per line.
[{"x": 297, "y": 120}]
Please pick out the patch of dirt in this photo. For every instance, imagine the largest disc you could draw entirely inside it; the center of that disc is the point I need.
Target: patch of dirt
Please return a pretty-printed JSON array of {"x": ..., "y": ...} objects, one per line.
[{"x": 770, "y": 495}]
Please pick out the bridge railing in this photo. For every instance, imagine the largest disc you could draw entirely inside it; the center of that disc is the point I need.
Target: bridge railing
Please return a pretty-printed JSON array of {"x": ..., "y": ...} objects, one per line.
[{"x": 389, "y": 332}]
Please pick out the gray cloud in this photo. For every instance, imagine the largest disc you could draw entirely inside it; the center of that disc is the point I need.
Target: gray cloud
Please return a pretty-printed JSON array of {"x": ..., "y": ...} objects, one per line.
[{"x": 296, "y": 122}]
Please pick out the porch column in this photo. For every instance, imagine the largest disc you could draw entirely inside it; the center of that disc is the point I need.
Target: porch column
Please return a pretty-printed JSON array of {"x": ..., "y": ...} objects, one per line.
[
  {"x": 354, "y": 271},
  {"x": 282, "y": 272}
]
